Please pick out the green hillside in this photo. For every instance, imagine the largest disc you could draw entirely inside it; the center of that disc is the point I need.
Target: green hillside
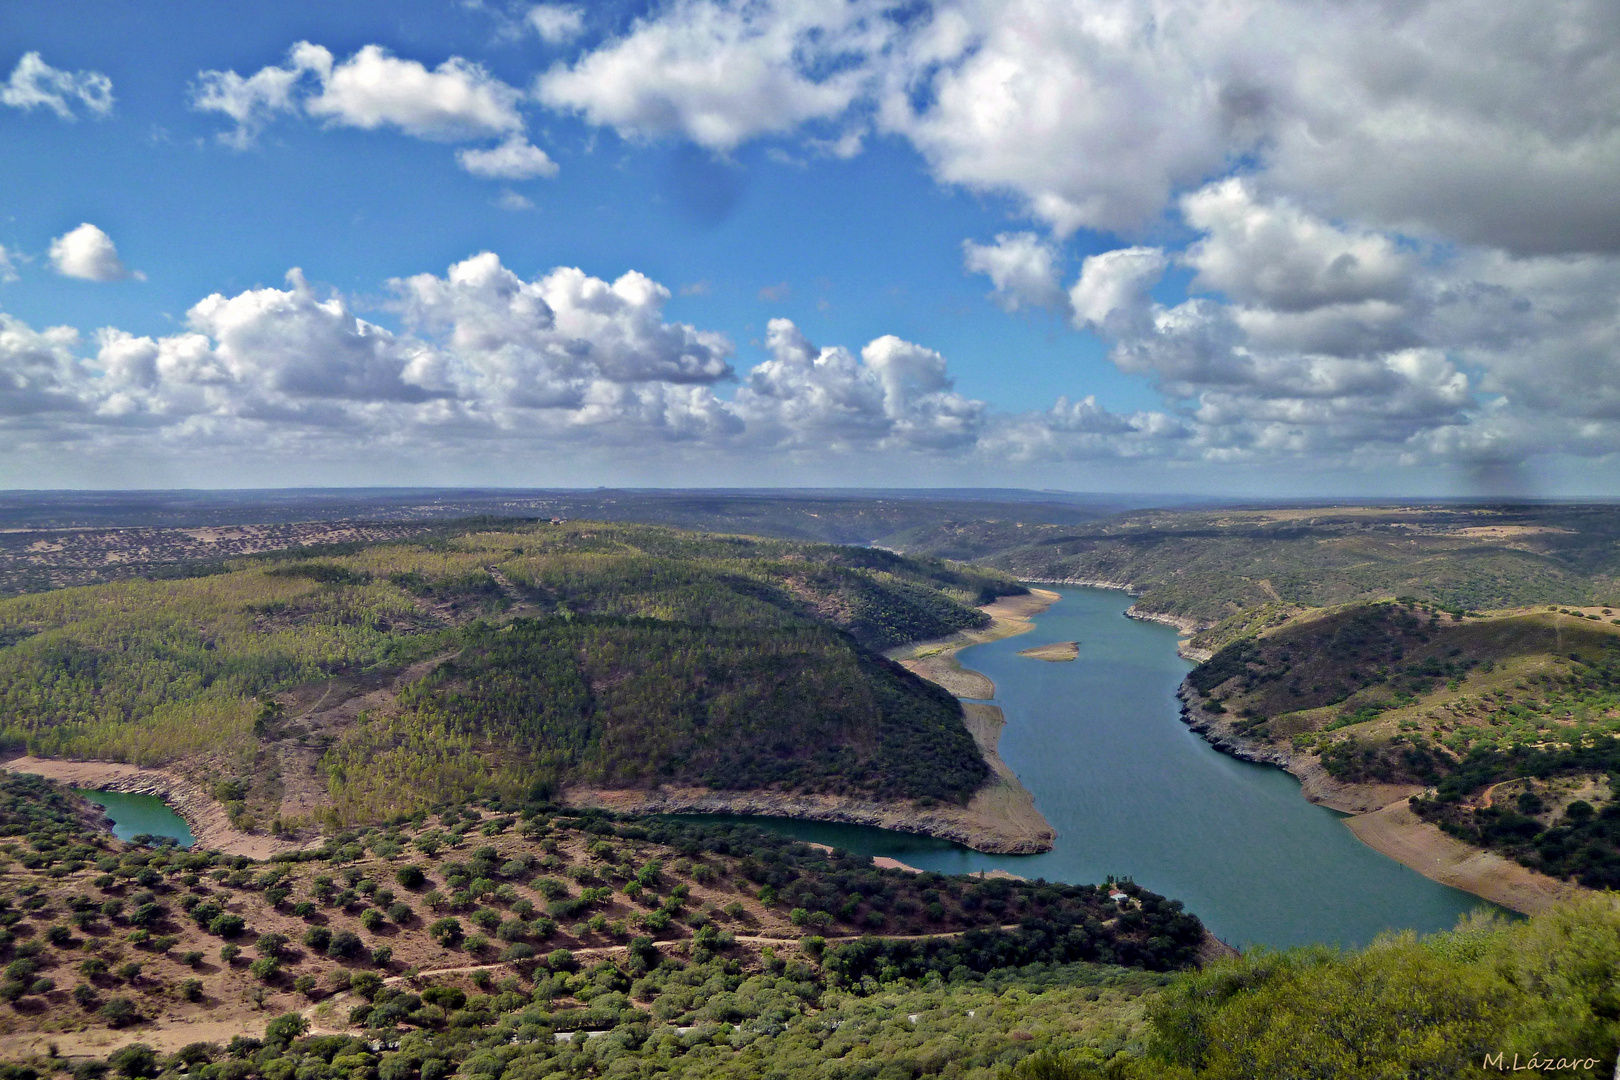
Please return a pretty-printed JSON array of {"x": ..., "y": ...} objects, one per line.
[
  {"x": 553, "y": 654},
  {"x": 508, "y": 941}
]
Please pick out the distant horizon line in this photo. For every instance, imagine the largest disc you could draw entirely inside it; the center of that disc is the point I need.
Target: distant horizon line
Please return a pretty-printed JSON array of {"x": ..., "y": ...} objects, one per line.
[{"x": 976, "y": 494}]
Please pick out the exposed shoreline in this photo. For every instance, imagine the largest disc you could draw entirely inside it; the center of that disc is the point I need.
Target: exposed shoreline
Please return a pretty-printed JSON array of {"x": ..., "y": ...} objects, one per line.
[
  {"x": 209, "y": 824},
  {"x": 976, "y": 825},
  {"x": 1381, "y": 819},
  {"x": 935, "y": 659}
]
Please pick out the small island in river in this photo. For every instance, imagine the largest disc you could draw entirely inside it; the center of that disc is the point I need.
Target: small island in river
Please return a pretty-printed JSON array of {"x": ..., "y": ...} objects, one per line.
[{"x": 1057, "y": 652}]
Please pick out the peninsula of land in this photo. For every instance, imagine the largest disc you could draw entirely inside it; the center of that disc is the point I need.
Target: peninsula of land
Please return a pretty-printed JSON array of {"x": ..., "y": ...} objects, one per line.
[{"x": 999, "y": 819}]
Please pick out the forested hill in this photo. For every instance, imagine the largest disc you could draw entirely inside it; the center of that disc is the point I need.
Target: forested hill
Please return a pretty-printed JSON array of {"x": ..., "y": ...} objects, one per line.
[{"x": 358, "y": 681}]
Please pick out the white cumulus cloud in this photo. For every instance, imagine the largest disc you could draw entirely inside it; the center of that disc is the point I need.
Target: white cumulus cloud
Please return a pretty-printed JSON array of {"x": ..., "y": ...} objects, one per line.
[
  {"x": 514, "y": 159},
  {"x": 39, "y": 371},
  {"x": 1113, "y": 288},
  {"x": 720, "y": 72},
  {"x": 34, "y": 83},
  {"x": 254, "y": 100},
  {"x": 895, "y": 395},
  {"x": 87, "y": 252},
  {"x": 1490, "y": 124},
  {"x": 1023, "y": 268},
  {"x": 457, "y": 101}
]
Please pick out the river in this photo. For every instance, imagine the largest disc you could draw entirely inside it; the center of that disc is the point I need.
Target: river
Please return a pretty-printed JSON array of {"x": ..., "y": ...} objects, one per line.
[{"x": 1133, "y": 793}]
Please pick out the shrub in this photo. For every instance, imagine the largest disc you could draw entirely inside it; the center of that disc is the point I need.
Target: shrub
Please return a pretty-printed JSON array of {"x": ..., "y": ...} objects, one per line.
[
  {"x": 284, "y": 1029},
  {"x": 550, "y": 888},
  {"x": 227, "y": 925},
  {"x": 412, "y": 877},
  {"x": 344, "y": 945},
  {"x": 120, "y": 1012},
  {"x": 318, "y": 937},
  {"x": 366, "y": 984},
  {"x": 134, "y": 1060},
  {"x": 191, "y": 989},
  {"x": 271, "y": 944},
  {"x": 448, "y": 998}
]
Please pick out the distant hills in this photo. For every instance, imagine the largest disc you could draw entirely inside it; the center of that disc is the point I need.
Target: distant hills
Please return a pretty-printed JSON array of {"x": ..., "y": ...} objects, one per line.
[{"x": 1237, "y": 569}]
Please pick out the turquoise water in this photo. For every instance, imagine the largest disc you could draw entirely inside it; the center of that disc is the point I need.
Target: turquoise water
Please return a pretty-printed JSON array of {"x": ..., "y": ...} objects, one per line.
[
  {"x": 133, "y": 815},
  {"x": 1132, "y": 792}
]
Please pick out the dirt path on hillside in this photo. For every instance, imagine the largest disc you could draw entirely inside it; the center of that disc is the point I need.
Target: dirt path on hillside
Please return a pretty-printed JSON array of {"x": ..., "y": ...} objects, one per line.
[{"x": 308, "y": 728}]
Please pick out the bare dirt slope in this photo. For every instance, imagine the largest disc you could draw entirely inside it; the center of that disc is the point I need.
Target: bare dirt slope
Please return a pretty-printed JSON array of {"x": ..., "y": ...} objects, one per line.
[{"x": 1397, "y": 832}]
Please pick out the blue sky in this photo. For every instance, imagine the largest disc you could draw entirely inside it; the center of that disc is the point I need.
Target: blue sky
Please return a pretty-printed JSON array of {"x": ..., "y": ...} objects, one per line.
[{"x": 1081, "y": 245}]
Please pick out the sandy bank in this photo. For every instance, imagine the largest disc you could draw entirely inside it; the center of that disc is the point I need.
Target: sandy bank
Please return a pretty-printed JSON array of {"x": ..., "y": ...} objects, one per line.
[
  {"x": 209, "y": 824},
  {"x": 1185, "y": 626},
  {"x": 1399, "y": 833},
  {"x": 1056, "y": 653},
  {"x": 935, "y": 659},
  {"x": 1004, "y": 804},
  {"x": 1383, "y": 821}
]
